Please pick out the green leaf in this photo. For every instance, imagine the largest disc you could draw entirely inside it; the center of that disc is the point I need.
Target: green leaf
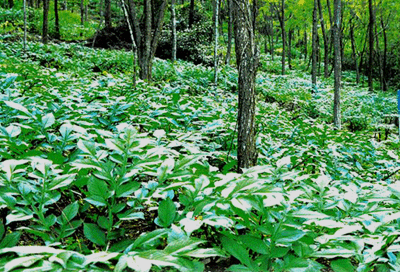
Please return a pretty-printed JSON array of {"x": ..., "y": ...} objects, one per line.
[
  {"x": 182, "y": 246},
  {"x": 48, "y": 120},
  {"x": 12, "y": 217},
  {"x": 70, "y": 212},
  {"x": 254, "y": 243},
  {"x": 166, "y": 212},
  {"x": 127, "y": 189},
  {"x": 149, "y": 238},
  {"x": 22, "y": 261},
  {"x": 289, "y": 236},
  {"x": 236, "y": 250},
  {"x": 87, "y": 147},
  {"x": 94, "y": 234},
  {"x": 99, "y": 188},
  {"x": 10, "y": 240},
  {"x": 61, "y": 181},
  {"x": 18, "y": 107},
  {"x": 131, "y": 216},
  {"x": 165, "y": 169},
  {"x": 342, "y": 265}
]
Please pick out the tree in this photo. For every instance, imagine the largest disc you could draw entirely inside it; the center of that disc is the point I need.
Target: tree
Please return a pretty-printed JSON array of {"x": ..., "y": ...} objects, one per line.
[
  {"x": 147, "y": 32},
  {"x": 45, "y": 29},
  {"x": 337, "y": 62},
  {"x": 229, "y": 42},
  {"x": 247, "y": 60},
  {"x": 325, "y": 38},
  {"x": 281, "y": 18},
  {"x": 25, "y": 23},
  {"x": 173, "y": 30},
  {"x": 191, "y": 14},
  {"x": 216, "y": 42},
  {"x": 56, "y": 20},
  {"x": 371, "y": 44},
  {"x": 107, "y": 13},
  {"x": 314, "y": 47}
]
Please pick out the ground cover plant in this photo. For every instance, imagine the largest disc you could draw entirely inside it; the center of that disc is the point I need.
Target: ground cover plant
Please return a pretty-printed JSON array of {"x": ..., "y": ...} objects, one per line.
[{"x": 98, "y": 175}]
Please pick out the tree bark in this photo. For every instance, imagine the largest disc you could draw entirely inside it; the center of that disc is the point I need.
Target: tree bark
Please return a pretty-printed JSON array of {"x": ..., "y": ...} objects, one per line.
[
  {"x": 247, "y": 59},
  {"x": 371, "y": 44},
  {"x": 107, "y": 13},
  {"x": 56, "y": 20},
  {"x": 384, "y": 62},
  {"x": 82, "y": 12},
  {"x": 45, "y": 30},
  {"x": 134, "y": 47},
  {"x": 290, "y": 48},
  {"x": 229, "y": 43},
  {"x": 173, "y": 28},
  {"x": 337, "y": 63},
  {"x": 216, "y": 42},
  {"x": 283, "y": 36},
  {"x": 314, "y": 48},
  {"x": 353, "y": 49},
  {"x": 191, "y": 14},
  {"x": 147, "y": 38},
  {"x": 325, "y": 37},
  {"x": 305, "y": 44},
  {"x": 25, "y": 23}
]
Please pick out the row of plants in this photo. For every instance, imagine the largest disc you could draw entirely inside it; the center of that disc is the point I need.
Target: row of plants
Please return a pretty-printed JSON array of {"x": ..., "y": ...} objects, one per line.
[{"x": 100, "y": 176}]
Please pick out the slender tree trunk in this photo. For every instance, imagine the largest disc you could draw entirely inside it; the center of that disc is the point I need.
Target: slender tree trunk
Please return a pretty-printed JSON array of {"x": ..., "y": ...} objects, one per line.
[
  {"x": 290, "y": 48},
  {"x": 325, "y": 37},
  {"x": 384, "y": 62},
  {"x": 246, "y": 58},
  {"x": 56, "y": 20},
  {"x": 272, "y": 48},
  {"x": 134, "y": 47},
  {"x": 191, "y": 14},
  {"x": 25, "y": 23},
  {"x": 216, "y": 42},
  {"x": 337, "y": 63},
  {"x": 230, "y": 24},
  {"x": 283, "y": 36},
  {"x": 45, "y": 30},
  {"x": 371, "y": 44},
  {"x": 173, "y": 28},
  {"x": 353, "y": 49},
  {"x": 314, "y": 48},
  {"x": 82, "y": 13},
  {"x": 107, "y": 14},
  {"x": 379, "y": 58},
  {"x": 305, "y": 45}
]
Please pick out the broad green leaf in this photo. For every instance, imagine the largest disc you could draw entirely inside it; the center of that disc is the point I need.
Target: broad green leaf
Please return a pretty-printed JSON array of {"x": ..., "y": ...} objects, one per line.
[
  {"x": 166, "y": 212},
  {"x": 10, "y": 240},
  {"x": 70, "y": 212},
  {"x": 87, "y": 147},
  {"x": 236, "y": 250},
  {"x": 127, "y": 189},
  {"x": 22, "y": 261},
  {"x": 48, "y": 120},
  {"x": 149, "y": 238},
  {"x": 12, "y": 217},
  {"x": 61, "y": 181},
  {"x": 289, "y": 236},
  {"x": 333, "y": 253},
  {"x": 165, "y": 169},
  {"x": 182, "y": 246},
  {"x": 255, "y": 244},
  {"x": 94, "y": 234},
  {"x": 342, "y": 265},
  {"x": 18, "y": 107},
  {"x": 99, "y": 188}
]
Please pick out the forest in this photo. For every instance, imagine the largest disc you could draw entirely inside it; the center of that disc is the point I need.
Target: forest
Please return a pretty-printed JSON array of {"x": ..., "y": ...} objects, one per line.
[{"x": 195, "y": 135}]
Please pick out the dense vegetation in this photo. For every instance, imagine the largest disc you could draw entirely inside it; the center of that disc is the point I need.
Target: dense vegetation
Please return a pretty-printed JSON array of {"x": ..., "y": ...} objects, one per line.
[{"x": 100, "y": 174}]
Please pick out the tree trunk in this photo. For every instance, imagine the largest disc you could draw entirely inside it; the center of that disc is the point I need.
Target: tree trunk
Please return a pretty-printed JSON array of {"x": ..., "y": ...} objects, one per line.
[
  {"x": 246, "y": 58},
  {"x": 353, "y": 49},
  {"x": 283, "y": 37},
  {"x": 337, "y": 63},
  {"x": 290, "y": 48},
  {"x": 371, "y": 44},
  {"x": 314, "y": 48},
  {"x": 147, "y": 38},
  {"x": 229, "y": 43},
  {"x": 216, "y": 42},
  {"x": 191, "y": 14},
  {"x": 134, "y": 47},
  {"x": 173, "y": 28},
  {"x": 45, "y": 30},
  {"x": 305, "y": 44},
  {"x": 272, "y": 46},
  {"x": 82, "y": 13},
  {"x": 107, "y": 13},
  {"x": 10, "y": 4},
  {"x": 384, "y": 62},
  {"x": 56, "y": 20},
  {"x": 25, "y": 23},
  {"x": 325, "y": 37}
]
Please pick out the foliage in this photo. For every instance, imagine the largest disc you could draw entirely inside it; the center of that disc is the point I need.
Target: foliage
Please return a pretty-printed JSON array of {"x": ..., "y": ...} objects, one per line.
[{"x": 101, "y": 176}]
